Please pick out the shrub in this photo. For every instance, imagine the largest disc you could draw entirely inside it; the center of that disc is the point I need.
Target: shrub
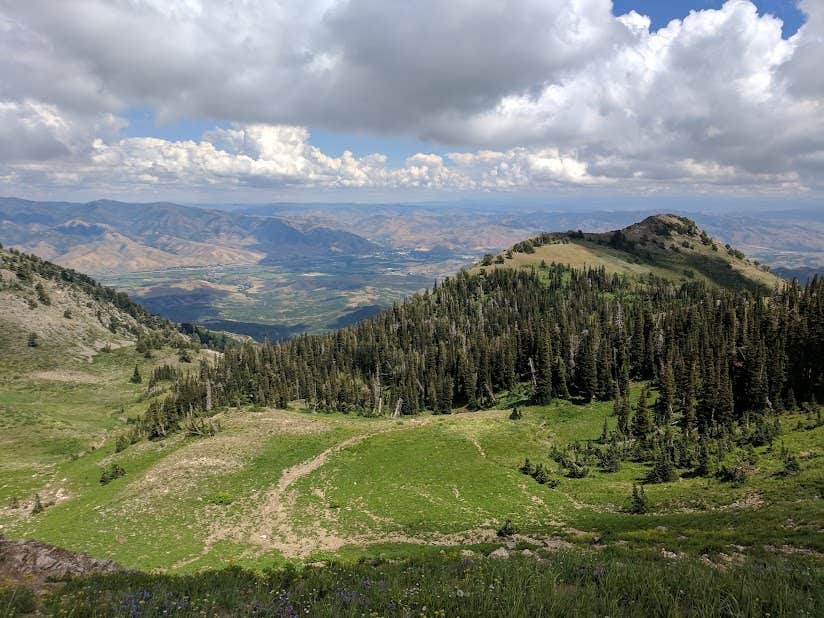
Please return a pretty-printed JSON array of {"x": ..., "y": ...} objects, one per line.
[
  {"x": 577, "y": 471},
  {"x": 199, "y": 427},
  {"x": 610, "y": 459},
  {"x": 42, "y": 295},
  {"x": 38, "y": 505},
  {"x": 737, "y": 474},
  {"x": 508, "y": 529},
  {"x": 527, "y": 467},
  {"x": 121, "y": 443},
  {"x": 707, "y": 462},
  {"x": 749, "y": 455},
  {"x": 516, "y": 414},
  {"x": 110, "y": 473},
  {"x": 791, "y": 465},
  {"x": 541, "y": 475},
  {"x": 17, "y": 601},
  {"x": 663, "y": 471},
  {"x": 33, "y": 341}
]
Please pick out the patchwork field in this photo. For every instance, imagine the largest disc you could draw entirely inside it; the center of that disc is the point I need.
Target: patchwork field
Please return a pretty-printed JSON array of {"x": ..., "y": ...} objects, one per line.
[
  {"x": 280, "y": 300},
  {"x": 277, "y": 486}
]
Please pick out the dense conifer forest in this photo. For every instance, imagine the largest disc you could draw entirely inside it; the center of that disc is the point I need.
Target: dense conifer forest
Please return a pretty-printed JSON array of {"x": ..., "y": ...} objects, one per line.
[{"x": 717, "y": 357}]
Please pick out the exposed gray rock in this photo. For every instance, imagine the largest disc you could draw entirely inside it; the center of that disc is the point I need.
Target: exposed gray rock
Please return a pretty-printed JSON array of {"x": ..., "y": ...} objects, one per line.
[
  {"x": 36, "y": 560},
  {"x": 501, "y": 552}
]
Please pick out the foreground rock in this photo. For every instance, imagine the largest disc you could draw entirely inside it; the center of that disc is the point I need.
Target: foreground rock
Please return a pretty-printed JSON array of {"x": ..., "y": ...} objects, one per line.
[{"x": 35, "y": 562}]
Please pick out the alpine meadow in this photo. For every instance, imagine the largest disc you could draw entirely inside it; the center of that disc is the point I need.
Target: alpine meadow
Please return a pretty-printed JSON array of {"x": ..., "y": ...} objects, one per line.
[{"x": 529, "y": 324}]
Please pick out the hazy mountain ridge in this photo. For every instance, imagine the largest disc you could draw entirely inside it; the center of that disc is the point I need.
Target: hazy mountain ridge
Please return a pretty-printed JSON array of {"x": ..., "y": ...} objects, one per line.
[
  {"x": 116, "y": 237},
  {"x": 791, "y": 239}
]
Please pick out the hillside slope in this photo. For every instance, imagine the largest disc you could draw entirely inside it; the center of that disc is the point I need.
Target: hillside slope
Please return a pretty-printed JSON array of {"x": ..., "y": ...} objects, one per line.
[
  {"x": 323, "y": 451},
  {"x": 49, "y": 313},
  {"x": 665, "y": 245}
]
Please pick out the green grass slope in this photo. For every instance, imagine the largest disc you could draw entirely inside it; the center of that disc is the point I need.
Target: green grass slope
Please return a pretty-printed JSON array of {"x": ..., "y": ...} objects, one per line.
[
  {"x": 667, "y": 246},
  {"x": 67, "y": 353},
  {"x": 277, "y": 486}
]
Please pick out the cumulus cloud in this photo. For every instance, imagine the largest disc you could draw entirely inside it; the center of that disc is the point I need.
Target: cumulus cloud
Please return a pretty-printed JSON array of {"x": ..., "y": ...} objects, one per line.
[
  {"x": 281, "y": 156},
  {"x": 31, "y": 130},
  {"x": 374, "y": 64},
  {"x": 529, "y": 93}
]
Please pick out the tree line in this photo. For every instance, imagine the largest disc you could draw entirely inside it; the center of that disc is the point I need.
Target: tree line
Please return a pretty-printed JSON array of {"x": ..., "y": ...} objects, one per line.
[{"x": 714, "y": 355}]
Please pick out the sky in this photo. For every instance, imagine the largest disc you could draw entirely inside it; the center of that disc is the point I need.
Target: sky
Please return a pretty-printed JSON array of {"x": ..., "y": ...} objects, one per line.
[{"x": 390, "y": 100}]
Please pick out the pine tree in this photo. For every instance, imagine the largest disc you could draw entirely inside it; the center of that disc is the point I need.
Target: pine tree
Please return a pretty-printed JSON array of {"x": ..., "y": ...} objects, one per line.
[
  {"x": 543, "y": 378},
  {"x": 639, "y": 504},
  {"x": 707, "y": 463},
  {"x": 663, "y": 471},
  {"x": 621, "y": 409},
  {"x": 560, "y": 378},
  {"x": 587, "y": 370},
  {"x": 136, "y": 377},
  {"x": 666, "y": 401},
  {"x": 641, "y": 423},
  {"x": 725, "y": 410},
  {"x": 690, "y": 400}
]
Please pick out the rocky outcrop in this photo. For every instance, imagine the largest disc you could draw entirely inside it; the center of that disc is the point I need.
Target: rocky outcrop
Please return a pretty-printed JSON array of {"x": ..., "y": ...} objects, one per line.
[{"x": 33, "y": 560}]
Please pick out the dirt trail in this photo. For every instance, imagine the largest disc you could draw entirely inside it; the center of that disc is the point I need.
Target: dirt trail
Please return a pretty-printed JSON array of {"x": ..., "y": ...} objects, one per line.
[
  {"x": 478, "y": 446},
  {"x": 268, "y": 526},
  {"x": 272, "y": 528}
]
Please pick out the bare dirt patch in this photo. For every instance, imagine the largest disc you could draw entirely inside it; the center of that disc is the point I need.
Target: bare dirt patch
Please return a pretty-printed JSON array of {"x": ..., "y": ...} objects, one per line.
[
  {"x": 65, "y": 376},
  {"x": 794, "y": 551},
  {"x": 242, "y": 436}
]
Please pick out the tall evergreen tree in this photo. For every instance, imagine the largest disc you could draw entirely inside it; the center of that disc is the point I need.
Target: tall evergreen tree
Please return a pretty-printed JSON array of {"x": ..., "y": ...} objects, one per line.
[{"x": 641, "y": 422}]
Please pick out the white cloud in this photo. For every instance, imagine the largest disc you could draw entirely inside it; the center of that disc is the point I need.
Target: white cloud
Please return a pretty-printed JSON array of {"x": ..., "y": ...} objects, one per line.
[
  {"x": 529, "y": 93},
  {"x": 280, "y": 156},
  {"x": 31, "y": 130}
]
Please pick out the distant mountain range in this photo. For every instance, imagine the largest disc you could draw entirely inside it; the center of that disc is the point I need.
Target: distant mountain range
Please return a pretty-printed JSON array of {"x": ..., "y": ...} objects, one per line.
[
  {"x": 791, "y": 241},
  {"x": 116, "y": 237},
  {"x": 278, "y": 269}
]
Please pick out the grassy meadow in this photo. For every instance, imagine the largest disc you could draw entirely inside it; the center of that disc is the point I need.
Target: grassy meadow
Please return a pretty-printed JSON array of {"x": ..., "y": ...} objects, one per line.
[
  {"x": 289, "y": 485},
  {"x": 384, "y": 500}
]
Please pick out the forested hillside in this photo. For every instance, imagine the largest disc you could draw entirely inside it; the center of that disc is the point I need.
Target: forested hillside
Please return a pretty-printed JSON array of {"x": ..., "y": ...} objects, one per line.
[
  {"x": 582, "y": 417},
  {"x": 567, "y": 331},
  {"x": 715, "y": 354}
]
